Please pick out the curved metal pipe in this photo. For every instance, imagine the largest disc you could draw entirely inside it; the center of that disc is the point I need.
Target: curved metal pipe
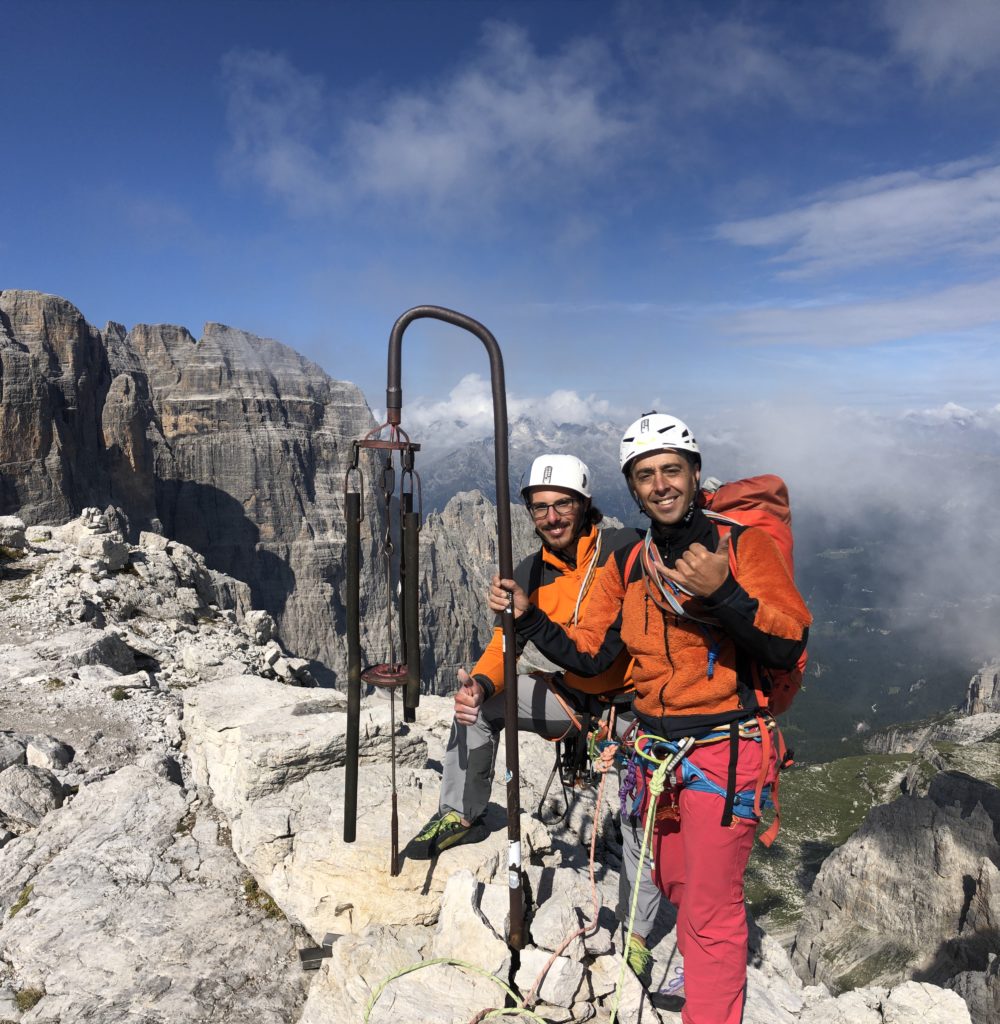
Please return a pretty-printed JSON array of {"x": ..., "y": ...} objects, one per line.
[{"x": 394, "y": 405}]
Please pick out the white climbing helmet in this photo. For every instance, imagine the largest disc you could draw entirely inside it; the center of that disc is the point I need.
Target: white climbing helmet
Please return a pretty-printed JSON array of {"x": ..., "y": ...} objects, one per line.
[
  {"x": 565, "y": 471},
  {"x": 656, "y": 432}
]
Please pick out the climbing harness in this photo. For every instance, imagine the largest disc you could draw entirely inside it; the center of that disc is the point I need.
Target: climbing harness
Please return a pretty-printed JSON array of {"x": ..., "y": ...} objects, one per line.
[{"x": 657, "y": 784}]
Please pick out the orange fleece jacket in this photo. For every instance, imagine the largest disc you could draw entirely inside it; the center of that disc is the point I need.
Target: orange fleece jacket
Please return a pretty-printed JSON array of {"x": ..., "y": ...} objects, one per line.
[{"x": 553, "y": 585}]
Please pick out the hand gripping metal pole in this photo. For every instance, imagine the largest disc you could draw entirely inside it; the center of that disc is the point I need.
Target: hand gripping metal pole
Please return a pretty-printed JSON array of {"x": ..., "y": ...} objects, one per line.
[{"x": 394, "y": 404}]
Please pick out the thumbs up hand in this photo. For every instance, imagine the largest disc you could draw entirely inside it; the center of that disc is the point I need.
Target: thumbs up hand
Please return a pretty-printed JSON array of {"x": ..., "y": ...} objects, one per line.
[{"x": 699, "y": 571}]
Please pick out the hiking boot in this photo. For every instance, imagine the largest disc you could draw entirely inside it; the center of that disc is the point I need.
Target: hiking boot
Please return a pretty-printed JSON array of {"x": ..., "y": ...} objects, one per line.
[
  {"x": 640, "y": 959},
  {"x": 441, "y": 833}
]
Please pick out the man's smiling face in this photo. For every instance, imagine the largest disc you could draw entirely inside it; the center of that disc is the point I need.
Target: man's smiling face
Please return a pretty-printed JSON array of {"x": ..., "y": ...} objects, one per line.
[
  {"x": 665, "y": 484},
  {"x": 557, "y": 526}
]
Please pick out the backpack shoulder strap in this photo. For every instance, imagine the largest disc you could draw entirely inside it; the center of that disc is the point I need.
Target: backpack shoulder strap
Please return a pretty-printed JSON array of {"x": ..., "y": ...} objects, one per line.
[
  {"x": 726, "y": 525},
  {"x": 630, "y": 562}
]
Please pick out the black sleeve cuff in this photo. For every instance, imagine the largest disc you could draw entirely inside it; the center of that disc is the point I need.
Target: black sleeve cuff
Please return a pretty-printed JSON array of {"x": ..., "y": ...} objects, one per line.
[
  {"x": 487, "y": 684},
  {"x": 724, "y": 593}
]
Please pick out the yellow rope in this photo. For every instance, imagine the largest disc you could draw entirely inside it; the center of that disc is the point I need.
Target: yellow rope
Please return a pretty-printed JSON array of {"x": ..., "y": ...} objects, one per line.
[{"x": 518, "y": 1010}]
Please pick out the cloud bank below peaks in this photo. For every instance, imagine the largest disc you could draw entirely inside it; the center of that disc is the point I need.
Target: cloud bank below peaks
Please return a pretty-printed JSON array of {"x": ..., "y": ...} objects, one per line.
[{"x": 466, "y": 414}]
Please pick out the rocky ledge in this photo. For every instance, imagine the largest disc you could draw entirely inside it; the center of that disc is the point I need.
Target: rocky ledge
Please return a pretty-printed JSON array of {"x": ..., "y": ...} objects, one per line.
[{"x": 171, "y": 831}]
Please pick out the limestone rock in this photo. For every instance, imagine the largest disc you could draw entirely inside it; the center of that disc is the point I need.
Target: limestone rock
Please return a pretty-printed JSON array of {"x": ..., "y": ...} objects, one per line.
[
  {"x": 981, "y": 990},
  {"x": 983, "y": 694},
  {"x": 462, "y": 927},
  {"x": 285, "y": 804},
  {"x": 48, "y": 752},
  {"x": 12, "y": 533},
  {"x": 12, "y": 751},
  {"x": 561, "y": 982},
  {"x": 28, "y": 793},
  {"x": 919, "y": 1003},
  {"x": 259, "y": 626},
  {"x": 156, "y": 910},
  {"x": 458, "y": 556},
  {"x": 235, "y": 444}
]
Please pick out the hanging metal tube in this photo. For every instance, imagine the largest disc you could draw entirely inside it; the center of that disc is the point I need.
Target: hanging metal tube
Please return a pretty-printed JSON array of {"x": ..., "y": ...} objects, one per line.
[
  {"x": 411, "y": 608},
  {"x": 352, "y": 508},
  {"x": 394, "y": 404}
]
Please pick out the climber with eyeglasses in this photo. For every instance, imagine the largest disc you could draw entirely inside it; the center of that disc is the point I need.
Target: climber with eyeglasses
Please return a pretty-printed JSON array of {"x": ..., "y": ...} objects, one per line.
[{"x": 557, "y": 577}]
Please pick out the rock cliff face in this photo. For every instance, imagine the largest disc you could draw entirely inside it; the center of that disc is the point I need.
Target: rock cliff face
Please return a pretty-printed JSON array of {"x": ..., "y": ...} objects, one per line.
[
  {"x": 236, "y": 446},
  {"x": 458, "y": 556},
  {"x": 984, "y": 690},
  {"x": 914, "y": 893},
  {"x": 233, "y": 444}
]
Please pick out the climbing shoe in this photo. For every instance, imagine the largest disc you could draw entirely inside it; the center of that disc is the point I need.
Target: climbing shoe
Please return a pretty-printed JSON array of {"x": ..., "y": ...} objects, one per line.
[
  {"x": 441, "y": 833},
  {"x": 640, "y": 959}
]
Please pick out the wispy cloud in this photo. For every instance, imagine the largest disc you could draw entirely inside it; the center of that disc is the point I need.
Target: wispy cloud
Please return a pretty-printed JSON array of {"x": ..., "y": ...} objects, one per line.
[
  {"x": 948, "y": 42},
  {"x": 949, "y": 311},
  {"x": 924, "y": 214},
  {"x": 508, "y": 120},
  {"x": 693, "y": 60},
  {"x": 275, "y": 115}
]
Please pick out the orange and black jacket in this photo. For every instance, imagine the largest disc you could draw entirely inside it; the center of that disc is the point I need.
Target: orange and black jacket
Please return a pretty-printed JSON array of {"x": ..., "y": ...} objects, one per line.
[
  {"x": 553, "y": 583},
  {"x": 755, "y": 619}
]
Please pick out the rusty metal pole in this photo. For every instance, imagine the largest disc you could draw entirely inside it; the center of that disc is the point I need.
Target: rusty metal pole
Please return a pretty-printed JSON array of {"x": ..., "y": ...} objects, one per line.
[
  {"x": 354, "y": 514},
  {"x": 394, "y": 404},
  {"x": 409, "y": 564}
]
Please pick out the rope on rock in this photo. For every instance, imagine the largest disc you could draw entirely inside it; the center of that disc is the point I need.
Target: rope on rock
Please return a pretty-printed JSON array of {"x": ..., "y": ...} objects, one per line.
[
  {"x": 535, "y": 992},
  {"x": 523, "y": 1009},
  {"x": 518, "y": 1010}
]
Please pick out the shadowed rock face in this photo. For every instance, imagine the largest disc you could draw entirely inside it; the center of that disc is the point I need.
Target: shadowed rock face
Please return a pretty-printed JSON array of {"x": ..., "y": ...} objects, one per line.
[
  {"x": 914, "y": 893},
  {"x": 235, "y": 443}
]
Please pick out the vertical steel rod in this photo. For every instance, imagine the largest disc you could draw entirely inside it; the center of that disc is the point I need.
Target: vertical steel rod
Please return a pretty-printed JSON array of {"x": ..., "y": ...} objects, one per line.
[
  {"x": 394, "y": 820},
  {"x": 352, "y": 508},
  {"x": 411, "y": 608},
  {"x": 394, "y": 404}
]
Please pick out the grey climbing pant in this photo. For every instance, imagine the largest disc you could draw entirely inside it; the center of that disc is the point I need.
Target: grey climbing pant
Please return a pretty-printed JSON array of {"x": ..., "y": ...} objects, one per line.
[{"x": 471, "y": 756}]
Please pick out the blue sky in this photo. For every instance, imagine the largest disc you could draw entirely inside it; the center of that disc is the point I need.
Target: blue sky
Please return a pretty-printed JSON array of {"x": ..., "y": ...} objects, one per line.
[{"x": 672, "y": 203}]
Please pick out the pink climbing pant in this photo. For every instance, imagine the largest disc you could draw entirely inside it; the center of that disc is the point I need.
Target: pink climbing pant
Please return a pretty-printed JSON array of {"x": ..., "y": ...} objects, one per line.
[{"x": 699, "y": 866}]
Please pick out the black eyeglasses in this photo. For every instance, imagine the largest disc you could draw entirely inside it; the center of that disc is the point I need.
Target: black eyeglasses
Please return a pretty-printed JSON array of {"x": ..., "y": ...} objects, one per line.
[{"x": 563, "y": 507}]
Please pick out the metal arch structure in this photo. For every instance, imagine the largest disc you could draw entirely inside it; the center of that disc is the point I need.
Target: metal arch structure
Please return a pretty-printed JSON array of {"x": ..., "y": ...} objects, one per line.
[{"x": 394, "y": 404}]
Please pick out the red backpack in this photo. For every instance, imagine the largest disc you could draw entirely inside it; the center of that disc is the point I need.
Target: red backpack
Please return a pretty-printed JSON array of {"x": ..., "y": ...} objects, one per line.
[{"x": 760, "y": 501}]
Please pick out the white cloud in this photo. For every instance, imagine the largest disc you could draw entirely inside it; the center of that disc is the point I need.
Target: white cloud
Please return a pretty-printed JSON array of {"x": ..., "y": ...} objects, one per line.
[
  {"x": 957, "y": 309},
  {"x": 467, "y": 412},
  {"x": 921, "y": 215},
  {"x": 509, "y": 120},
  {"x": 946, "y": 41}
]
